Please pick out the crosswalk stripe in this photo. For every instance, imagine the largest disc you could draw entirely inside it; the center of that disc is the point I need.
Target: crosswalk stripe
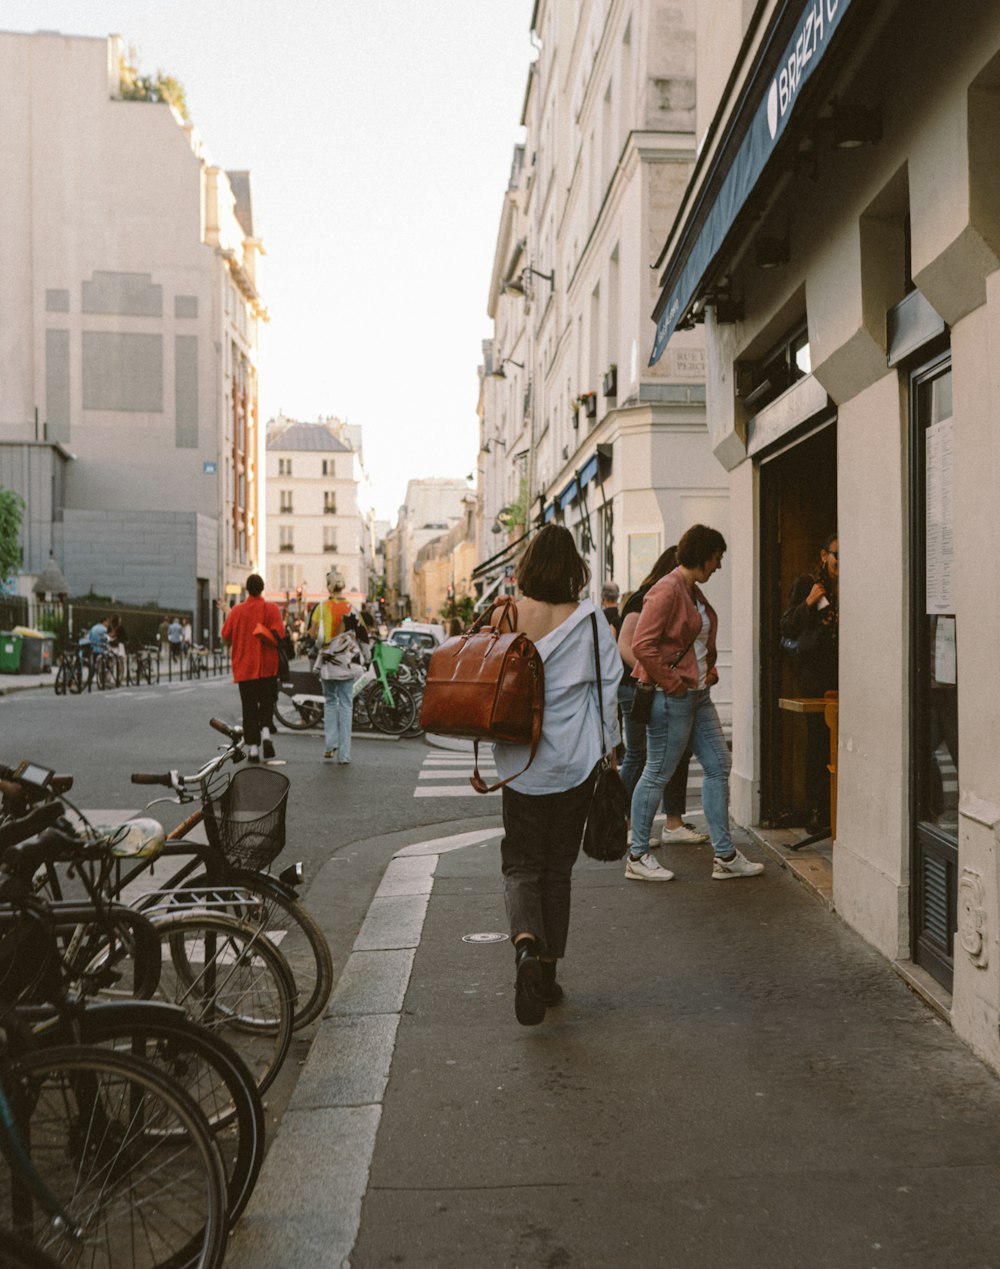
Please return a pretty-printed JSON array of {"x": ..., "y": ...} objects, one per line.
[{"x": 450, "y": 791}]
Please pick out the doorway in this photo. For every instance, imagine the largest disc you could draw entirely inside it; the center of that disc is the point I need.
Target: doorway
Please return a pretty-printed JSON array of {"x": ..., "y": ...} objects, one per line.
[
  {"x": 934, "y": 673},
  {"x": 798, "y": 500}
]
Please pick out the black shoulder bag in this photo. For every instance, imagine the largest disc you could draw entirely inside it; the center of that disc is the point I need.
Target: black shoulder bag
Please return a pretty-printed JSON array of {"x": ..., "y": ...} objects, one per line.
[{"x": 605, "y": 836}]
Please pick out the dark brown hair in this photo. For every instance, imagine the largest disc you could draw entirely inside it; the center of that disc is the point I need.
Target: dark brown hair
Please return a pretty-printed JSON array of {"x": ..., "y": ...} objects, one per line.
[
  {"x": 551, "y": 569},
  {"x": 255, "y": 584},
  {"x": 698, "y": 545}
]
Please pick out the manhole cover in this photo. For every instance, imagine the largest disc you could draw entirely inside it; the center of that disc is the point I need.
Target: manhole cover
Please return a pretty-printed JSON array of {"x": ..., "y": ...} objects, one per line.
[{"x": 484, "y": 938}]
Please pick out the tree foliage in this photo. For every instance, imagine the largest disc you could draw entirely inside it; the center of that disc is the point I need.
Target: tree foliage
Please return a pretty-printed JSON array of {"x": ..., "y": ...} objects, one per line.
[
  {"x": 11, "y": 511},
  {"x": 156, "y": 87}
]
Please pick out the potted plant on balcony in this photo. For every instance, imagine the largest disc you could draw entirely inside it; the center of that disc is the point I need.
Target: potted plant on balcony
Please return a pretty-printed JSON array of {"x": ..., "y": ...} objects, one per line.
[
  {"x": 611, "y": 381},
  {"x": 589, "y": 402}
]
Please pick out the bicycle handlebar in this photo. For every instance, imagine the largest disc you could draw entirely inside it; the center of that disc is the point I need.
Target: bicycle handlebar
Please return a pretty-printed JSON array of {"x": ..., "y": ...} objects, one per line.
[
  {"x": 19, "y": 830},
  {"x": 234, "y": 734},
  {"x": 141, "y": 777}
]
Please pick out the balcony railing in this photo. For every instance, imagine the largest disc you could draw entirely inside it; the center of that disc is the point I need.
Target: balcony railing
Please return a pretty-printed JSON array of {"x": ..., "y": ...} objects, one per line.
[
  {"x": 287, "y": 546},
  {"x": 329, "y": 548}
]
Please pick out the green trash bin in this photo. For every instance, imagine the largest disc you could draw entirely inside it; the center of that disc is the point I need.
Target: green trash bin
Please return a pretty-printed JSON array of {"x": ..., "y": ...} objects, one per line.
[{"x": 10, "y": 652}]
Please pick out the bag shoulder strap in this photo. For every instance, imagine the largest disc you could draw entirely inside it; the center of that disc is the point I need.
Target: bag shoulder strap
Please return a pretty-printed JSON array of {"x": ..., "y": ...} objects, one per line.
[{"x": 600, "y": 688}]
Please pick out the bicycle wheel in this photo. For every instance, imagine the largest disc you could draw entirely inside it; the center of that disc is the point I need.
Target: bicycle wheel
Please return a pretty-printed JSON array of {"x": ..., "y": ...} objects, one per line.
[
  {"x": 104, "y": 673},
  {"x": 297, "y": 717},
  {"x": 127, "y": 1156},
  {"x": 392, "y": 718},
  {"x": 417, "y": 692},
  {"x": 18, "y": 1254},
  {"x": 209, "y": 1070},
  {"x": 229, "y": 977},
  {"x": 75, "y": 677},
  {"x": 287, "y": 923},
  {"x": 62, "y": 679}
]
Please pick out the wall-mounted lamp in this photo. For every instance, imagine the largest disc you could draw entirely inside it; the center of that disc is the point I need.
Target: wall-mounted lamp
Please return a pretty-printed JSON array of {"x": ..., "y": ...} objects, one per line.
[
  {"x": 499, "y": 374},
  {"x": 770, "y": 253},
  {"x": 519, "y": 286}
]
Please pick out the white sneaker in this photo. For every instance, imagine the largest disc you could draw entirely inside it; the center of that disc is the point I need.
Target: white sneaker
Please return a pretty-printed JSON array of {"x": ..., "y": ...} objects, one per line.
[
  {"x": 647, "y": 868},
  {"x": 686, "y": 835},
  {"x": 738, "y": 866}
]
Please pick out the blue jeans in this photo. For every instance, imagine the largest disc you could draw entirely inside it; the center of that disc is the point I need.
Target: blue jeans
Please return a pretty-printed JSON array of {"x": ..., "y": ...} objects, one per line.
[
  {"x": 338, "y": 714},
  {"x": 679, "y": 723},
  {"x": 675, "y": 791}
]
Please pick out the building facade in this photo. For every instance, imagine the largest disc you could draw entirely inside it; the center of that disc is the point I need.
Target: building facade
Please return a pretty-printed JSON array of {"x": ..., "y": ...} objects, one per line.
[
  {"x": 840, "y": 240},
  {"x": 313, "y": 473},
  {"x": 578, "y": 429},
  {"x": 433, "y": 505},
  {"x": 129, "y": 314}
]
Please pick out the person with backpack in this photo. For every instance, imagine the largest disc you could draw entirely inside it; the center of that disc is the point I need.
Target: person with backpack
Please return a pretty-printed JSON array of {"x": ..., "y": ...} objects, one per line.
[
  {"x": 340, "y": 637},
  {"x": 546, "y": 799},
  {"x": 252, "y": 629}
]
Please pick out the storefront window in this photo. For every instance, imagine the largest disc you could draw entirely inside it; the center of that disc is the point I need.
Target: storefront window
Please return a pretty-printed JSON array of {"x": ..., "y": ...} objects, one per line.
[{"x": 935, "y": 673}]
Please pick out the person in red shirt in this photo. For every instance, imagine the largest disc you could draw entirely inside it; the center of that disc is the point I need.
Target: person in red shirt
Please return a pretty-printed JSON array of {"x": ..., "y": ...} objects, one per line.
[{"x": 252, "y": 630}]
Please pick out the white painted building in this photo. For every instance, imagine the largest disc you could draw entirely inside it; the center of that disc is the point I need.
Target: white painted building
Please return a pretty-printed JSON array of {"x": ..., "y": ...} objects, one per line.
[
  {"x": 128, "y": 326},
  {"x": 583, "y": 431},
  {"x": 846, "y": 196},
  {"x": 313, "y": 472}
]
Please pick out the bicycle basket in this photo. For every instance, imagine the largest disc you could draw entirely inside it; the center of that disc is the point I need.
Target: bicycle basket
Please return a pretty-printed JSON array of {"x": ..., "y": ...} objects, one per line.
[
  {"x": 248, "y": 820},
  {"x": 389, "y": 655}
]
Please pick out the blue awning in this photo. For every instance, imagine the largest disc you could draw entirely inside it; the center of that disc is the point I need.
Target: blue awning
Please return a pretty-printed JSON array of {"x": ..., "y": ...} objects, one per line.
[
  {"x": 549, "y": 513},
  {"x": 588, "y": 471},
  {"x": 567, "y": 495},
  {"x": 698, "y": 247}
]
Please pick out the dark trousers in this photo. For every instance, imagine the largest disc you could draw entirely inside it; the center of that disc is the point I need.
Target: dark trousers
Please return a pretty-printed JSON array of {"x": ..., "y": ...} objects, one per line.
[
  {"x": 257, "y": 697},
  {"x": 542, "y": 835}
]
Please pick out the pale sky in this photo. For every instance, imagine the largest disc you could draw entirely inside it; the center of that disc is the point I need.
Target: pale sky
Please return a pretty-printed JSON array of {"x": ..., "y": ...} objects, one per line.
[{"x": 379, "y": 135}]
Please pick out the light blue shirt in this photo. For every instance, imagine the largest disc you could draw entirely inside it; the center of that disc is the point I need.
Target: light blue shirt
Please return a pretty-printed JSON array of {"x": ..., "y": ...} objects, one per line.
[{"x": 571, "y": 722}]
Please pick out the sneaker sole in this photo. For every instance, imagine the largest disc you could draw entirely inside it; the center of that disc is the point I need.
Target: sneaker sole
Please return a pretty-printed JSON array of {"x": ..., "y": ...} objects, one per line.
[
  {"x": 736, "y": 876},
  {"x": 662, "y": 875}
]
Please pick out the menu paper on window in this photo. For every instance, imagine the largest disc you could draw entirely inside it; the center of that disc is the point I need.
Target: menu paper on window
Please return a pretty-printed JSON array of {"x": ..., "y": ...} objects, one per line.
[{"x": 940, "y": 464}]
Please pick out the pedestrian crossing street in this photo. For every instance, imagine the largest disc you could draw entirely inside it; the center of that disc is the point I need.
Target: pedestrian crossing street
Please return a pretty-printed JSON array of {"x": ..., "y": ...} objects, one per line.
[{"x": 446, "y": 774}]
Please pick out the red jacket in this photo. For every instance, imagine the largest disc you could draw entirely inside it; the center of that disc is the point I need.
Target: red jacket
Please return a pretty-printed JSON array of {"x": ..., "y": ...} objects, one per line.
[
  {"x": 253, "y": 657},
  {"x": 668, "y": 625}
]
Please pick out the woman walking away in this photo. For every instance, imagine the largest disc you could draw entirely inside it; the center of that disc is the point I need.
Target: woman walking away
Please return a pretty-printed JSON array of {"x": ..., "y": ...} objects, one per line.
[
  {"x": 674, "y": 646},
  {"x": 545, "y": 808},
  {"x": 676, "y": 831}
]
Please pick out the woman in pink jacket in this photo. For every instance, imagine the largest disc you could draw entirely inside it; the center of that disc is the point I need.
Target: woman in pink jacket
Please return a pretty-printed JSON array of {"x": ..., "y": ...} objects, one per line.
[{"x": 674, "y": 648}]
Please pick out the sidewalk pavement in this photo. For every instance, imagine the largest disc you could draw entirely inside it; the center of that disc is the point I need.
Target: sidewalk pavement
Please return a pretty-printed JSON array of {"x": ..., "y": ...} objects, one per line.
[
  {"x": 734, "y": 1080},
  {"x": 25, "y": 682}
]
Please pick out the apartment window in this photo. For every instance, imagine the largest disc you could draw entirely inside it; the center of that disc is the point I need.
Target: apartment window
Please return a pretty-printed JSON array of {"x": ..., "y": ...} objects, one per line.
[
  {"x": 329, "y": 467},
  {"x": 286, "y": 502},
  {"x": 286, "y": 542},
  {"x": 329, "y": 540},
  {"x": 329, "y": 503},
  {"x": 284, "y": 466},
  {"x": 286, "y": 576}
]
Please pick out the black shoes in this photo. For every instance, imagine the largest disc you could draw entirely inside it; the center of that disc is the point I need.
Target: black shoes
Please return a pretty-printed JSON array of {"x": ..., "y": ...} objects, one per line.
[
  {"x": 267, "y": 748},
  {"x": 529, "y": 1007},
  {"x": 548, "y": 990}
]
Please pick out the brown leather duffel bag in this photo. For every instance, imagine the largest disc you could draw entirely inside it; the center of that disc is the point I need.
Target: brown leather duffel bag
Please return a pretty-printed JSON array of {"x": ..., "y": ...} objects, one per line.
[{"x": 487, "y": 684}]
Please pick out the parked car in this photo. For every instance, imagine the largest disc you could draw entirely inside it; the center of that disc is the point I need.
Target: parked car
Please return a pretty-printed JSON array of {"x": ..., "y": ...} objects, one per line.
[{"x": 418, "y": 634}]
